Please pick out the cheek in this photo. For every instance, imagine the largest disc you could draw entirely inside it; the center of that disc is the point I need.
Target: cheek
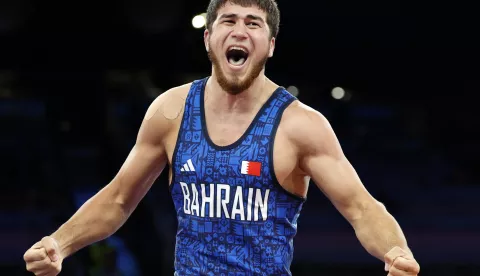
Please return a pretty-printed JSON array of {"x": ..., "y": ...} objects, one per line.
[
  {"x": 218, "y": 35},
  {"x": 262, "y": 45},
  {"x": 262, "y": 50},
  {"x": 216, "y": 43},
  {"x": 213, "y": 46}
]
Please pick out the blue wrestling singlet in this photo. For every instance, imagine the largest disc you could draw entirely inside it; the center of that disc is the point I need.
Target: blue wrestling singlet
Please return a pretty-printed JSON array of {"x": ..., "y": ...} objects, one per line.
[{"x": 234, "y": 218}]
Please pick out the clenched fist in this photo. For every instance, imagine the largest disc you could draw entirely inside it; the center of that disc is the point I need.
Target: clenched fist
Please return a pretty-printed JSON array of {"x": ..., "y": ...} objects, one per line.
[
  {"x": 44, "y": 258},
  {"x": 399, "y": 262}
]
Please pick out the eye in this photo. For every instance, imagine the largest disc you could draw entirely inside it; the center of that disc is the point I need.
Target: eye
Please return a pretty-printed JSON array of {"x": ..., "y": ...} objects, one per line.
[
  {"x": 229, "y": 22},
  {"x": 253, "y": 24}
]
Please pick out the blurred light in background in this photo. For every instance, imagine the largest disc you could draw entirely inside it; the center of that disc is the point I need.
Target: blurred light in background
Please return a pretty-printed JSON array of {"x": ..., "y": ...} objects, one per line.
[
  {"x": 338, "y": 93},
  {"x": 199, "y": 21},
  {"x": 293, "y": 90}
]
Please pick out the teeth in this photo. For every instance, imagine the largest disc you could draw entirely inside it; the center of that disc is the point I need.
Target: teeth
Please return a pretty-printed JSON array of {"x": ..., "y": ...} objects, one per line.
[{"x": 237, "y": 48}]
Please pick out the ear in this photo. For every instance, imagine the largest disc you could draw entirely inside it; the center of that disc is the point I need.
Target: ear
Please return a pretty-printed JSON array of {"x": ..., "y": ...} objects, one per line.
[
  {"x": 272, "y": 47},
  {"x": 206, "y": 39}
]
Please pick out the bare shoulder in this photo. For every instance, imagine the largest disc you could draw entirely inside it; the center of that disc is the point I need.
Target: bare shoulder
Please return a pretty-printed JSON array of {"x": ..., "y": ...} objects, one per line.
[
  {"x": 165, "y": 112},
  {"x": 307, "y": 128},
  {"x": 169, "y": 104}
]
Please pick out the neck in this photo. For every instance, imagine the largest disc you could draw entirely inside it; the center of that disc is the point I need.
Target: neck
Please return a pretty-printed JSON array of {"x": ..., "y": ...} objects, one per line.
[{"x": 246, "y": 100}]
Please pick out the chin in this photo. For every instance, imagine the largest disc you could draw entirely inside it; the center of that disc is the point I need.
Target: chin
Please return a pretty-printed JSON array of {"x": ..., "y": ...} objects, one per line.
[{"x": 234, "y": 79}]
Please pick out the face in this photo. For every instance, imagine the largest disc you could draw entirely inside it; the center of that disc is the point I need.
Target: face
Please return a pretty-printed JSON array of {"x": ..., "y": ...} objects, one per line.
[{"x": 238, "y": 46}]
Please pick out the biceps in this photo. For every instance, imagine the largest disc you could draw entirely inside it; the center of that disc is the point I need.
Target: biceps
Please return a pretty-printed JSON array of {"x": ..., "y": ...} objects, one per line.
[
  {"x": 142, "y": 166},
  {"x": 339, "y": 181}
]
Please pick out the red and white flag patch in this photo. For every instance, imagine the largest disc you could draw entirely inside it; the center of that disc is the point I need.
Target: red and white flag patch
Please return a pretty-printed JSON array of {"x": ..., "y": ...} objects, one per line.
[{"x": 251, "y": 168}]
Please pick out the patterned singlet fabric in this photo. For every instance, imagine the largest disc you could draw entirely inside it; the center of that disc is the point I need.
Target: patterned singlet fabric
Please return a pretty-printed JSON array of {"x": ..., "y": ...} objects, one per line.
[{"x": 234, "y": 218}]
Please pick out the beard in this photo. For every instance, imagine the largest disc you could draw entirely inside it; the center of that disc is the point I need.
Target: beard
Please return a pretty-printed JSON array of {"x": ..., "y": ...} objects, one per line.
[{"x": 235, "y": 85}]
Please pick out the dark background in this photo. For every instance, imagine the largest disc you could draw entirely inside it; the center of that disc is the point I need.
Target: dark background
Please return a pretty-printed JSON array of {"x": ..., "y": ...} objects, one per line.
[{"x": 76, "y": 78}]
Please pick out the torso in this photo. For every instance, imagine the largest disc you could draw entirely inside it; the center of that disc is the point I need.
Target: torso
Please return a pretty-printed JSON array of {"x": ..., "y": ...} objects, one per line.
[
  {"x": 235, "y": 184},
  {"x": 227, "y": 130}
]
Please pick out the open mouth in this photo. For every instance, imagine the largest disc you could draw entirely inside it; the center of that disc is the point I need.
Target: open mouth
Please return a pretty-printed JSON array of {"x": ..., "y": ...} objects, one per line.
[{"x": 237, "y": 56}]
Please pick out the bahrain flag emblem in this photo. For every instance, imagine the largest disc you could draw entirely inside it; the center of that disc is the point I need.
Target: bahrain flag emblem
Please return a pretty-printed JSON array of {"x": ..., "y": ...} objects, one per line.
[{"x": 251, "y": 168}]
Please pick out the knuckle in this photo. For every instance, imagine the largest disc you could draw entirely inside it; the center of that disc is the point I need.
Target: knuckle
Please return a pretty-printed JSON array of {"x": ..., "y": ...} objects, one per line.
[
  {"x": 388, "y": 258},
  {"x": 395, "y": 272},
  {"x": 56, "y": 269},
  {"x": 47, "y": 262},
  {"x": 399, "y": 262}
]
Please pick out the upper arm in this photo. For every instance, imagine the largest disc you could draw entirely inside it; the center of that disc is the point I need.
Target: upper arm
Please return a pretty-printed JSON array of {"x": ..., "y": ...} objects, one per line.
[
  {"x": 322, "y": 158},
  {"x": 147, "y": 158}
]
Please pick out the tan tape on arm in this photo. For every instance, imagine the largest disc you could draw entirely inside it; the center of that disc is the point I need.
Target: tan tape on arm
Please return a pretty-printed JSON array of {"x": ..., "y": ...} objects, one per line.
[
  {"x": 173, "y": 107},
  {"x": 170, "y": 108}
]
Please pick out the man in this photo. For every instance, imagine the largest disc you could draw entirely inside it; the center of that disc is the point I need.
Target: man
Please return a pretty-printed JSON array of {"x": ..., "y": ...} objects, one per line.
[{"x": 241, "y": 151}]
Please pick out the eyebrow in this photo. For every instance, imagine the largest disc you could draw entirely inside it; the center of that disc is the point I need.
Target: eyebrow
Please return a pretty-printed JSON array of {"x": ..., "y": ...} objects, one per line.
[{"x": 250, "y": 16}]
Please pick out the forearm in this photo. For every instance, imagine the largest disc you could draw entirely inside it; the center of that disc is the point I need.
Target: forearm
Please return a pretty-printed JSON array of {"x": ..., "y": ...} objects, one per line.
[
  {"x": 101, "y": 216},
  {"x": 378, "y": 231}
]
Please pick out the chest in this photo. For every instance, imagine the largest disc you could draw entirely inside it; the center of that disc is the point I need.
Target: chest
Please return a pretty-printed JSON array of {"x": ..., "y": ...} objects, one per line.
[
  {"x": 249, "y": 137},
  {"x": 282, "y": 154},
  {"x": 226, "y": 129}
]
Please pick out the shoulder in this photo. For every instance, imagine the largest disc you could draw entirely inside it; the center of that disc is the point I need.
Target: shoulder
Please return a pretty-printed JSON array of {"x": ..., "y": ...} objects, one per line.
[
  {"x": 165, "y": 112},
  {"x": 307, "y": 128},
  {"x": 168, "y": 103}
]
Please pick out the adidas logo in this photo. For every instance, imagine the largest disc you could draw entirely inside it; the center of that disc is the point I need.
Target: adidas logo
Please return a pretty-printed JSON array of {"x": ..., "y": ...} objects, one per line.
[{"x": 188, "y": 167}]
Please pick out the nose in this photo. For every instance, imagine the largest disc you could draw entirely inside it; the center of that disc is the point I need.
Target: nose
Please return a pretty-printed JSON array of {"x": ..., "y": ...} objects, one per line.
[{"x": 239, "y": 32}]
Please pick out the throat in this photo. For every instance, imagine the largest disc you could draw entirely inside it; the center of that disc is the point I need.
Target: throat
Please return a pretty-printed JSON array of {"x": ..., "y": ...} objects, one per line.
[{"x": 226, "y": 104}]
